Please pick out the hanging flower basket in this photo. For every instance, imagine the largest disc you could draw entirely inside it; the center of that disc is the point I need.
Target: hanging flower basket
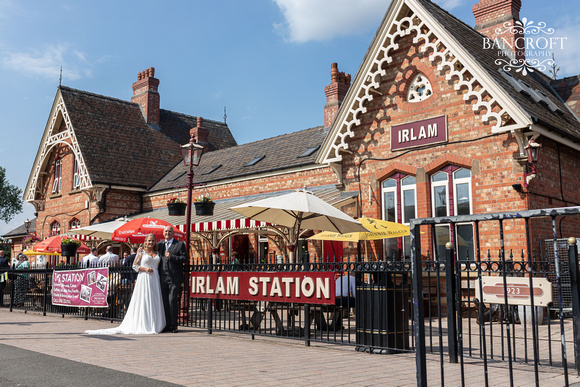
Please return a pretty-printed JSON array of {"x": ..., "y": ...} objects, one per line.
[
  {"x": 176, "y": 208},
  {"x": 204, "y": 208}
]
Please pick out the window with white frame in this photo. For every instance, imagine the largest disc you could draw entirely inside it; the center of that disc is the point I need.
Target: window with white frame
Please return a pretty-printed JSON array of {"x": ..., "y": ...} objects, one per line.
[
  {"x": 399, "y": 195},
  {"x": 57, "y": 176},
  {"x": 451, "y": 195},
  {"x": 74, "y": 223},
  {"x": 76, "y": 175},
  {"x": 55, "y": 228}
]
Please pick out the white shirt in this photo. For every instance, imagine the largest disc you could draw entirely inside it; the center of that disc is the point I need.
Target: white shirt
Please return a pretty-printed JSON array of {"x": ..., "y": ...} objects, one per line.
[
  {"x": 169, "y": 243},
  {"x": 344, "y": 286},
  {"x": 108, "y": 259},
  {"x": 94, "y": 260},
  {"x": 88, "y": 259}
]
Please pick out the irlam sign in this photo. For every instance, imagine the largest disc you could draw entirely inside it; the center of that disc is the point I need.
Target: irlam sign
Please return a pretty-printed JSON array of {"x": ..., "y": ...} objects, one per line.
[
  {"x": 419, "y": 133},
  {"x": 299, "y": 287}
]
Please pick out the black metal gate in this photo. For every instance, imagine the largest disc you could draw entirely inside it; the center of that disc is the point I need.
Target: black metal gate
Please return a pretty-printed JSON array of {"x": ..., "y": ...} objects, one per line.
[{"x": 451, "y": 322}]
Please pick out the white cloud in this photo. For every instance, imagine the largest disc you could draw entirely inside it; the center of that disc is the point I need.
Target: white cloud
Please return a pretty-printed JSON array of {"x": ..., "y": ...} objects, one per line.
[
  {"x": 320, "y": 20},
  {"x": 449, "y": 4},
  {"x": 46, "y": 62}
]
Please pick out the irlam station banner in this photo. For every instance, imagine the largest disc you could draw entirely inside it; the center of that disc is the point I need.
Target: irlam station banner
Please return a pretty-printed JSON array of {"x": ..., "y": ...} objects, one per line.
[
  {"x": 83, "y": 287},
  {"x": 299, "y": 287}
]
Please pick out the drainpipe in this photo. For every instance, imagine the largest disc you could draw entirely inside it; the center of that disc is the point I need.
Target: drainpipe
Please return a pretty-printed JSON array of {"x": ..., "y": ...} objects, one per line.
[{"x": 104, "y": 208}]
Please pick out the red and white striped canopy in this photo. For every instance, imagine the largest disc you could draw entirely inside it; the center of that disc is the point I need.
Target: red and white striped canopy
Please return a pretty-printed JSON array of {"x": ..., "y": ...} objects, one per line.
[{"x": 218, "y": 225}]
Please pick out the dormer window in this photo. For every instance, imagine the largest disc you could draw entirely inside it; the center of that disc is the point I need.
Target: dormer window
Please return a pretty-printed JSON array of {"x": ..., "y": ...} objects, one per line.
[
  {"x": 212, "y": 169},
  {"x": 56, "y": 176},
  {"x": 254, "y": 161},
  {"x": 419, "y": 89},
  {"x": 309, "y": 151}
]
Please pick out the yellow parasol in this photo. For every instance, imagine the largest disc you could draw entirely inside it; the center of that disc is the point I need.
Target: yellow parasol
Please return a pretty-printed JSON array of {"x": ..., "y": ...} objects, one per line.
[
  {"x": 32, "y": 252},
  {"x": 378, "y": 229}
]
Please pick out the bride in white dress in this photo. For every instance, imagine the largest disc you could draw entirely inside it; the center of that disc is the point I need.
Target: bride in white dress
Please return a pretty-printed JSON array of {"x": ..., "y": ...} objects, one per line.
[{"x": 145, "y": 314}]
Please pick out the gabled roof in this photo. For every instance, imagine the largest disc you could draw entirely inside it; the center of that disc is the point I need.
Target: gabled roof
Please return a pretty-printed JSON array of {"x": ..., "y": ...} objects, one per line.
[
  {"x": 280, "y": 153},
  {"x": 563, "y": 121},
  {"x": 453, "y": 46},
  {"x": 114, "y": 143}
]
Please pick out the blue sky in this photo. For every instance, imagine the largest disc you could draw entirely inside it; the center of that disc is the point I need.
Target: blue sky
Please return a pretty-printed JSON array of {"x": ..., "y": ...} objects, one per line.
[{"x": 266, "y": 61}]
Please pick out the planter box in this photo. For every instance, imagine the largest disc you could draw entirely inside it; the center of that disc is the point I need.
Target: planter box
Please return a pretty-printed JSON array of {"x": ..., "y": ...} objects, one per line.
[
  {"x": 204, "y": 208},
  {"x": 176, "y": 208},
  {"x": 68, "y": 250}
]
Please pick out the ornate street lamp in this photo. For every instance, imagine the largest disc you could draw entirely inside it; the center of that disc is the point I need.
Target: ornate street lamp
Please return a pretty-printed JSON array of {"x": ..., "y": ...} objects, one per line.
[
  {"x": 533, "y": 153},
  {"x": 192, "y": 152}
]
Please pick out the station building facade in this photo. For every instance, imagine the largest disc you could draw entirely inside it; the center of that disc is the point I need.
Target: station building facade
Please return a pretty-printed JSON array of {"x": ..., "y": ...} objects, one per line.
[{"x": 430, "y": 125}]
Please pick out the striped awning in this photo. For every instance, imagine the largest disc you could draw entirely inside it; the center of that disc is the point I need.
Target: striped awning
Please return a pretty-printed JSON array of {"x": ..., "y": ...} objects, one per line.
[
  {"x": 226, "y": 219},
  {"x": 218, "y": 225}
]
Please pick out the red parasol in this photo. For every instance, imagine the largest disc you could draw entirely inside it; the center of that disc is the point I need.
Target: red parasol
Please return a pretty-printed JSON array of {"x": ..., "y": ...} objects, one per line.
[
  {"x": 52, "y": 245},
  {"x": 136, "y": 230}
]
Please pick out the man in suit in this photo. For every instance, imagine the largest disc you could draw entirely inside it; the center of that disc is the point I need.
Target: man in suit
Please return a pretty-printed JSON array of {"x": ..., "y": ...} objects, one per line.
[
  {"x": 128, "y": 261},
  {"x": 4, "y": 266},
  {"x": 173, "y": 257}
]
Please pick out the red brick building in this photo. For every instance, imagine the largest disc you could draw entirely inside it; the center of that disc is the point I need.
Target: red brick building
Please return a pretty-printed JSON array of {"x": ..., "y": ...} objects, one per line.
[{"x": 430, "y": 125}]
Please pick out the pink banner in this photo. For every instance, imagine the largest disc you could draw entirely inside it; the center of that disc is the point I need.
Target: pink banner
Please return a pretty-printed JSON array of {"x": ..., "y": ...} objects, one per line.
[{"x": 83, "y": 287}]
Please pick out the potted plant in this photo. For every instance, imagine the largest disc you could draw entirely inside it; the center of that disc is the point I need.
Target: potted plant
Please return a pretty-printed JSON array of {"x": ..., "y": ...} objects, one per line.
[
  {"x": 176, "y": 206},
  {"x": 203, "y": 205},
  {"x": 69, "y": 246}
]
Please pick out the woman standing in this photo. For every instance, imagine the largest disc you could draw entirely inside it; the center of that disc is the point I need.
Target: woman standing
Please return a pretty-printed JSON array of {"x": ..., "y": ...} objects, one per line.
[
  {"x": 21, "y": 284},
  {"x": 145, "y": 314}
]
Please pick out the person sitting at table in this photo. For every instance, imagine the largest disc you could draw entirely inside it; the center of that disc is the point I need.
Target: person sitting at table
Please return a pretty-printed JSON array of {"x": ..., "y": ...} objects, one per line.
[{"x": 345, "y": 288}]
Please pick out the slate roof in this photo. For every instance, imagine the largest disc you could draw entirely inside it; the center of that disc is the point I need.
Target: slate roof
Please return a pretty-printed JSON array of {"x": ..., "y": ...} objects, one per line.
[
  {"x": 564, "y": 122},
  {"x": 280, "y": 152},
  {"x": 20, "y": 231},
  {"x": 119, "y": 147}
]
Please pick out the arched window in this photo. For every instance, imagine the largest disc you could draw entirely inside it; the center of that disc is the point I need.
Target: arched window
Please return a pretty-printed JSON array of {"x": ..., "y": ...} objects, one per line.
[
  {"x": 451, "y": 195},
  {"x": 399, "y": 195},
  {"x": 55, "y": 228},
  {"x": 76, "y": 175},
  {"x": 57, "y": 175},
  {"x": 74, "y": 223}
]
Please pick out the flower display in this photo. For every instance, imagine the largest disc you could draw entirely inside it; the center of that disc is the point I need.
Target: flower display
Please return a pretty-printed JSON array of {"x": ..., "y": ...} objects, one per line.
[
  {"x": 30, "y": 239},
  {"x": 70, "y": 241},
  {"x": 203, "y": 198},
  {"x": 175, "y": 200}
]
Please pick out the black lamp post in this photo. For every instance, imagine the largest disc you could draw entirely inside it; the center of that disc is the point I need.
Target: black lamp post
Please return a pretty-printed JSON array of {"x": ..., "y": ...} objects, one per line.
[
  {"x": 533, "y": 153},
  {"x": 27, "y": 228},
  {"x": 192, "y": 152}
]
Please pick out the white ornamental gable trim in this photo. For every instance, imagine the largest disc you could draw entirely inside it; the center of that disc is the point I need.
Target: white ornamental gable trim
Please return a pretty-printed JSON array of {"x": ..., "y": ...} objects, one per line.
[
  {"x": 406, "y": 17},
  {"x": 50, "y": 139}
]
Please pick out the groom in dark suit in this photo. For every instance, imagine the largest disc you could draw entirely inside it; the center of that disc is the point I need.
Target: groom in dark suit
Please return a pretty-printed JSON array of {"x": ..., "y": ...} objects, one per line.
[{"x": 173, "y": 257}]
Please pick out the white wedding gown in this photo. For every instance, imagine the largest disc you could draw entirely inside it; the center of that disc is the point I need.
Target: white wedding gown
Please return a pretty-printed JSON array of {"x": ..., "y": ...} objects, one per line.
[{"x": 145, "y": 314}]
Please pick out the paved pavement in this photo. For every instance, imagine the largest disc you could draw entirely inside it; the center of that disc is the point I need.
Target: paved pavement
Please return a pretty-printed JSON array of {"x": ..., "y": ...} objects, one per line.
[{"x": 50, "y": 350}]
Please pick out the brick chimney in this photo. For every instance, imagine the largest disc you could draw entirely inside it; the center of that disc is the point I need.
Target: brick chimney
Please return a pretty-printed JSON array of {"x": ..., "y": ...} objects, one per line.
[
  {"x": 145, "y": 94},
  {"x": 201, "y": 134},
  {"x": 495, "y": 19},
  {"x": 335, "y": 93},
  {"x": 569, "y": 90}
]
